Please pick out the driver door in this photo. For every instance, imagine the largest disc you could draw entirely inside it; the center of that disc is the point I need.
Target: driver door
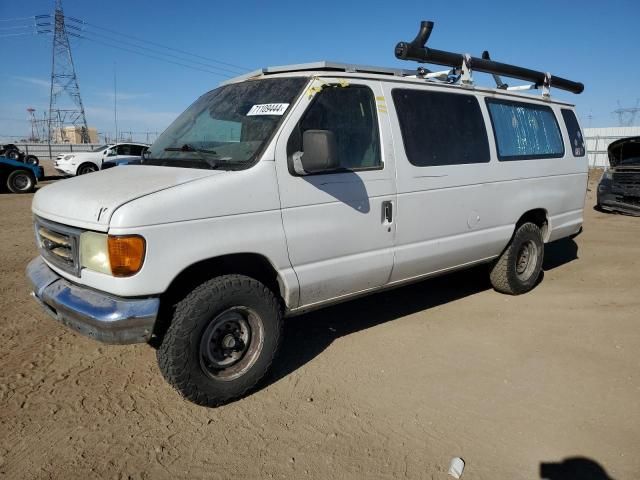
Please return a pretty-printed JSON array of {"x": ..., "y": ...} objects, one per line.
[{"x": 339, "y": 224}]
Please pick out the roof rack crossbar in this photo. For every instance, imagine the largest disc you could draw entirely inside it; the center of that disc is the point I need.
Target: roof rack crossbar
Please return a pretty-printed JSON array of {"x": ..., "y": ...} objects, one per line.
[{"x": 419, "y": 52}]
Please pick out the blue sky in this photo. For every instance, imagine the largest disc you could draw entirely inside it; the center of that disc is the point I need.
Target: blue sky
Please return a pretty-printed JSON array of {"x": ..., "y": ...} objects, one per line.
[{"x": 595, "y": 42}]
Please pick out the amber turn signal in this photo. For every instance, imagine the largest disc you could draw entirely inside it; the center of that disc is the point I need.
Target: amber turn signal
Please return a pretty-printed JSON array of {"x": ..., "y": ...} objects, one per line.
[{"x": 126, "y": 254}]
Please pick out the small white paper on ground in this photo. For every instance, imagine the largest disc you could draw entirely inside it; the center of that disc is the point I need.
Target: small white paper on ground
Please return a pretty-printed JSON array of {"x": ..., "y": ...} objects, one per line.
[
  {"x": 456, "y": 467},
  {"x": 268, "y": 109}
]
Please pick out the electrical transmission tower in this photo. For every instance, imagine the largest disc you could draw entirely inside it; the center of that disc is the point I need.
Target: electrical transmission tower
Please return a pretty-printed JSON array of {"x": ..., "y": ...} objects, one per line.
[
  {"x": 627, "y": 116},
  {"x": 65, "y": 104}
]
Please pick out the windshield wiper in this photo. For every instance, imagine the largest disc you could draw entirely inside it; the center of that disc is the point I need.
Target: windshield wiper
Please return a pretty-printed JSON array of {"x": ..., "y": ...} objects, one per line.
[
  {"x": 200, "y": 151},
  {"x": 189, "y": 148}
]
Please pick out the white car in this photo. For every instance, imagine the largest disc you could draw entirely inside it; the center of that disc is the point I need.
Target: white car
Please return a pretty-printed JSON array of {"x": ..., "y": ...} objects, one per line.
[
  {"x": 293, "y": 188},
  {"x": 71, "y": 164}
]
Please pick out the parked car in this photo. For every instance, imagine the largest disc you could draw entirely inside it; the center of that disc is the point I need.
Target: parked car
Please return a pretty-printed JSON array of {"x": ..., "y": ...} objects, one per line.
[
  {"x": 19, "y": 177},
  {"x": 619, "y": 187},
  {"x": 295, "y": 188},
  {"x": 122, "y": 161},
  {"x": 80, "y": 163},
  {"x": 13, "y": 152}
]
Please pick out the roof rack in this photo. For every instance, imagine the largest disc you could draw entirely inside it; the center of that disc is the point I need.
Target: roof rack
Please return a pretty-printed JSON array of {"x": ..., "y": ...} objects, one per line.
[
  {"x": 324, "y": 66},
  {"x": 464, "y": 64}
]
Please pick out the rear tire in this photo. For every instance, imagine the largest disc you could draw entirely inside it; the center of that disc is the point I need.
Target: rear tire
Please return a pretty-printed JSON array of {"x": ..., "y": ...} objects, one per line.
[
  {"x": 518, "y": 268},
  {"x": 222, "y": 340},
  {"x": 21, "y": 181}
]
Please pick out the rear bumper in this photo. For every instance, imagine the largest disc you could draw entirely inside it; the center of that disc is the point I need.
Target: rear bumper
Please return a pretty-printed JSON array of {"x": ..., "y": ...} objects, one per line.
[{"x": 103, "y": 317}]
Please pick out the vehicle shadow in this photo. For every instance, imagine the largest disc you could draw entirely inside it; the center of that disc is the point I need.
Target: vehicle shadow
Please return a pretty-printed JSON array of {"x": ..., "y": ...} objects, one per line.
[
  {"x": 307, "y": 336},
  {"x": 559, "y": 253},
  {"x": 48, "y": 178},
  {"x": 573, "y": 468}
]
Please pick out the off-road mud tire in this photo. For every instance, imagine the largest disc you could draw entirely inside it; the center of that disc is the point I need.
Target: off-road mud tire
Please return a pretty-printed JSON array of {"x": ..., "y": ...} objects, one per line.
[
  {"x": 504, "y": 272},
  {"x": 180, "y": 357}
]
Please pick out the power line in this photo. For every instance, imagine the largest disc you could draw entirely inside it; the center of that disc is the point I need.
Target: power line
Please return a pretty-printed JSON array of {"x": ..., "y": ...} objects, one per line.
[
  {"x": 16, "y": 19},
  {"x": 145, "y": 54},
  {"x": 17, "y": 34},
  {"x": 16, "y": 27},
  {"x": 242, "y": 69},
  {"x": 157, "y": 52}
]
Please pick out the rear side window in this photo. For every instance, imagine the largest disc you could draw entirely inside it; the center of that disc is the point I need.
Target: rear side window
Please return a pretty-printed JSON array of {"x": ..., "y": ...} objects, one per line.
[
  {"x": 525, "y": 131},
  {"x": 575, "y": 134},
  {"x": 440, "y": 128}
]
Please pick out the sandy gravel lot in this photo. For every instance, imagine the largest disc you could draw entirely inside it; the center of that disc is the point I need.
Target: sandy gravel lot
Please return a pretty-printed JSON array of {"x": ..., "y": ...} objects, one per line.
[{"x": 391, "y": 386}]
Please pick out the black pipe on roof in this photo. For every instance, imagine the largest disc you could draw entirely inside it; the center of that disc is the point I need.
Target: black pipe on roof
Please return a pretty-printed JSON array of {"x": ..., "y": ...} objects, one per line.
[{"x": 419, "y": 52}]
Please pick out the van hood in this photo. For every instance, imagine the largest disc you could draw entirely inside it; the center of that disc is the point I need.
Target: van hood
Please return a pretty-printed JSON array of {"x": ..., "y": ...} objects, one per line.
[
  {"x": 88, "y": 201},
  {"x": 625, "y": 153}
]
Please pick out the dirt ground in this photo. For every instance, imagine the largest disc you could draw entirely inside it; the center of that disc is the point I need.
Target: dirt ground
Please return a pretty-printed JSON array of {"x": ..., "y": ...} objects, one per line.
[{"x": 390, "y": 386}]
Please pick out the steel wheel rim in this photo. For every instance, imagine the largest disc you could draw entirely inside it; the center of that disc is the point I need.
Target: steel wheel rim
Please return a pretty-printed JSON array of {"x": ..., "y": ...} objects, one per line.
[
  {"x": 526, "y": 259},
  {"x": 231, "y": 343},
  {"x": 21, "y": 182}
]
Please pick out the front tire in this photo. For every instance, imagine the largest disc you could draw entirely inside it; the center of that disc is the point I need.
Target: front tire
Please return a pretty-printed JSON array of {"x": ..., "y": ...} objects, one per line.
[
  {"x": 222, "y": 340},
  {"x": 86, "y": 168},
  {"x": 518, "y": 268},
  {"x": 32, "y": 160},
  {"x": 21, "y": 181}
]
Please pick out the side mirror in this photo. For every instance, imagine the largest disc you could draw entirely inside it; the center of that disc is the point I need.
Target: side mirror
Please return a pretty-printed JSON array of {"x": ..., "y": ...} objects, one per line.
[
  {"x": 111, "y": 153},
  {"x": 320, "y": 152}
]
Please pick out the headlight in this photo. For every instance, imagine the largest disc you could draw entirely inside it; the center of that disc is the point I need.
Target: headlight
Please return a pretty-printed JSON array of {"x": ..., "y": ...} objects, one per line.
[
  {"x": 120, "y": 256},
  {"x": 607, "y": 176},
  {"x": 94, "y": 252},
  {"x": 68, "y": 157}
]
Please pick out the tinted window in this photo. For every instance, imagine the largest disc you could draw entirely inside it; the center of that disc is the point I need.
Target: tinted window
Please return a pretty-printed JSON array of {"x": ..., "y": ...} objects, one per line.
[
  {"x": 350, "y": 113},
  {"x": 525, "y": 131},
  {"x": 123, "y": 149},
  {"x": 575, "y": 134},
  {"x": 136, "y": 150},
  {"x": 440, "y": 128}
]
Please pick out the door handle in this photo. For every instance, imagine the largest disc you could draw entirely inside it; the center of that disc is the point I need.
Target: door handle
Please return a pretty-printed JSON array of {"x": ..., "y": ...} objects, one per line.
[{"x": 387, "y": 211}]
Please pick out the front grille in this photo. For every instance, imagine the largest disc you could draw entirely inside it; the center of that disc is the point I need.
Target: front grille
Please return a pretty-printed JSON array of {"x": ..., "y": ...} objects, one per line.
[
  {"x": 627, "y": 178},
  {"x": 59, "y": 245}
]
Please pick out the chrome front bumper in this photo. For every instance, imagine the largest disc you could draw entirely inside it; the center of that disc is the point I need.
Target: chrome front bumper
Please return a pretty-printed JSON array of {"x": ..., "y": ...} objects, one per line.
[{"x": 103, "y": 317}]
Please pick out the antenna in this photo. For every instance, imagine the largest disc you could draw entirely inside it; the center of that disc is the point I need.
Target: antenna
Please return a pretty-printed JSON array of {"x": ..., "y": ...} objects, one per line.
[
  {"x": 64, "y": 83},
  {"x": 627, "y": 116}
]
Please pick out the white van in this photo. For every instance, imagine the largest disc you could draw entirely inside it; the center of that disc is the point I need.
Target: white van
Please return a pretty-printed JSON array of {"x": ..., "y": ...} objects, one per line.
[{"x": 297, "y": 187}]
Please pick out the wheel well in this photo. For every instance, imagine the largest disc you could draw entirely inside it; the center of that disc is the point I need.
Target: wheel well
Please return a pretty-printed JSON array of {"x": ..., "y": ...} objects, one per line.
[
  {"x": 537, "y": 216},
  {"x": 86, "y": 163},
  {"x": 250, "y": 264}
]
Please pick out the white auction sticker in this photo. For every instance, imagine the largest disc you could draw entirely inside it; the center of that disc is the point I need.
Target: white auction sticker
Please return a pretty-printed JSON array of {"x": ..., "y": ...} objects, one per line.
[{"x": 268, "y": 109}]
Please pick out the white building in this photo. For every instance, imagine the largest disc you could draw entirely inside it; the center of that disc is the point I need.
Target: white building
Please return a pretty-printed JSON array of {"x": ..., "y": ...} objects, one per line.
[{"x": 598, "y": 139}]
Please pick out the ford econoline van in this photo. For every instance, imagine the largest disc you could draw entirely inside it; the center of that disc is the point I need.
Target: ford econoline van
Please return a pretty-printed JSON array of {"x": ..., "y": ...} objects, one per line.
[{"x": 293, "y": 188}]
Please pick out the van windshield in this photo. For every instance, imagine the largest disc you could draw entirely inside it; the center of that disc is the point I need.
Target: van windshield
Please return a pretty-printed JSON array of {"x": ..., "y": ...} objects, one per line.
[{"x": 227, "y": 127}]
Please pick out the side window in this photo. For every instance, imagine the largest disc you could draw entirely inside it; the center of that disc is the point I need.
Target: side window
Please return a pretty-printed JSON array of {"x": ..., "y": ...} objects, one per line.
[
  {"x": 136, "y": 150},
  {"x": 350, "y": 113},
  {"x": 440, "y": 128},
  {"x": 575, "y": 134},
  {"x": 524, "y": 131},
  {"x": 123, "y": 149}
]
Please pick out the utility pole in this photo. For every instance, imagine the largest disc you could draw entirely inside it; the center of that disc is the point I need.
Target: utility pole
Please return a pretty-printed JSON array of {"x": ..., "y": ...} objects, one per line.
[
  {"x": 115, "y": 100},
  {"x": 64, "y": 83}
]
